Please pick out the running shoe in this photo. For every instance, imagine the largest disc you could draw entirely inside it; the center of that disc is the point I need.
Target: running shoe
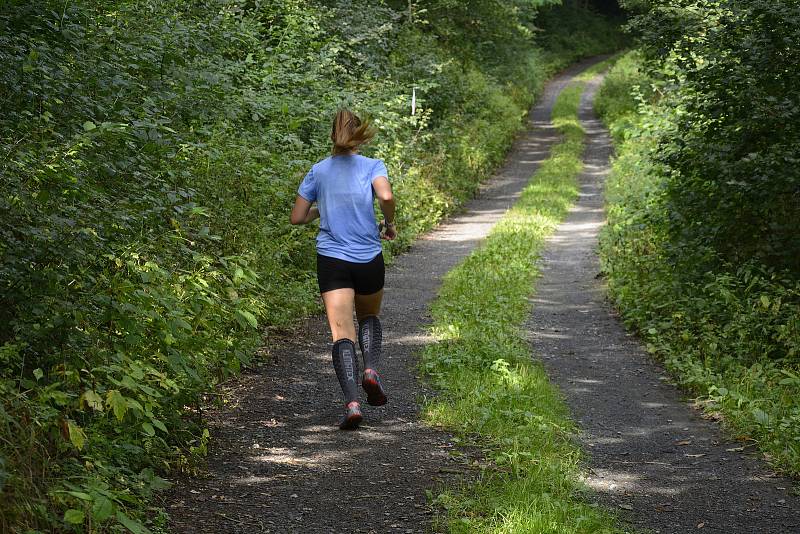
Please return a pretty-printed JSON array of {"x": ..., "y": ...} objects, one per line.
[
  {"x": 352, "y": 418},
  {"x": 371, "y": 383}
]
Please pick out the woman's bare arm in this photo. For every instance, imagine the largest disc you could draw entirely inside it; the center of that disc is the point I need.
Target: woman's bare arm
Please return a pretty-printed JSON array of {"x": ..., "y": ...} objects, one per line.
[
  {"x": 302, "y": 212},
  {"x": 383, "y": 191}
]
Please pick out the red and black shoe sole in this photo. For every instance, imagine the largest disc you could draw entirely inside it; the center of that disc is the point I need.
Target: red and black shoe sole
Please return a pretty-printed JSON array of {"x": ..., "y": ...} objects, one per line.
[
  {"x": 372, "y": 385},
  {"x": 351, "y": 420}
]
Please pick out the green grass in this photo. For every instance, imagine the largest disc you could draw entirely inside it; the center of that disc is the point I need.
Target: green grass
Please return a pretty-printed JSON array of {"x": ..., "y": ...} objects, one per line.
[
  {"x": 597, "y": 68},
  {"x": 493, "y": 394}
]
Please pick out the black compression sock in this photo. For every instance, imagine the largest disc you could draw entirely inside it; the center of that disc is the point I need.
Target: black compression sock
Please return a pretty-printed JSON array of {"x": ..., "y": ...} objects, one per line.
[
  {"x": 370, "y": 337},
  {"x": 346, "y": 365}
]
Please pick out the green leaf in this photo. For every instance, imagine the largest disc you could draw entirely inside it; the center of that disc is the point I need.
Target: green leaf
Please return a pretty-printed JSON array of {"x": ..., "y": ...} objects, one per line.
[
  {"x": 765, "y": 301},
  {"x": 102, "y": 508},
  {"x": 159, "y": 425},
  {"x": 93, "y": 400},
  {"x": 89, "y": 126},
  {"x": 81, "y": 495},
  {"x": 180, "y": 323},
  {"x": 134, "y": 405},
  {"x": 169, "y": 339},
  {"x": 132, "y": 525},
  {"x": 148, "y": 429},
  {"x": 248, "y": 317},
  {"x": 117, "y": 402},
  {"x": 760, "y": 416},
  {"x": 74, "y": 517},
  {"x": 38, "y": 374},
  {"x": 76, "y": 435},
  {"x": 157, "y": 483},
  {"x": 129, "y": 382}
]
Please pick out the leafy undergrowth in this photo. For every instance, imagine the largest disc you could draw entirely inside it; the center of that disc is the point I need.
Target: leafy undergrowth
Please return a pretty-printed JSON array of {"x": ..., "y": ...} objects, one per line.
[
  {"x": 151, "y": 151},
  {"x": 493, "y": 394},
  {"x": 729, "y": 333}
]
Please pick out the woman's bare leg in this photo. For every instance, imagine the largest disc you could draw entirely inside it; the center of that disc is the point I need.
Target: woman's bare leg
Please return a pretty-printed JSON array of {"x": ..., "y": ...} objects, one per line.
[
  {"x": 339, "y": 309},
  {"x": 367, "y": 305}
]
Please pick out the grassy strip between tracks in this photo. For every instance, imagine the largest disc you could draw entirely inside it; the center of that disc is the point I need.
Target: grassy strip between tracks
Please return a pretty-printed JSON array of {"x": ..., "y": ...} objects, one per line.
[{"x": 494, "y": 395}]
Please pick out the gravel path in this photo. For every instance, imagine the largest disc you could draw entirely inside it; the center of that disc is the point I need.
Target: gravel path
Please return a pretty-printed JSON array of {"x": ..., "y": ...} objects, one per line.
[
  {"x": 279, "y": 464},
  {"x": 651, "y": 454}
]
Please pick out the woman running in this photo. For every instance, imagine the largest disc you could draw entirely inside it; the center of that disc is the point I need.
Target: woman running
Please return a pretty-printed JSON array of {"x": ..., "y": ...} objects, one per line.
[{"x": 350, "y": 269}]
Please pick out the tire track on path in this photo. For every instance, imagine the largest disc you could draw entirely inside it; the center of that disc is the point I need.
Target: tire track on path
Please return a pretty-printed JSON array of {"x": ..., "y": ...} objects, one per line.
[
  {"x": 651, "y": 455},
  {"x": 279, "y": 464}
]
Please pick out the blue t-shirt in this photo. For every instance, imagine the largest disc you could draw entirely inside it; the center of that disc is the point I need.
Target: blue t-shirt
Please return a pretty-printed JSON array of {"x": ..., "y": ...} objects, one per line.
[{"x": 342, "y": 189}]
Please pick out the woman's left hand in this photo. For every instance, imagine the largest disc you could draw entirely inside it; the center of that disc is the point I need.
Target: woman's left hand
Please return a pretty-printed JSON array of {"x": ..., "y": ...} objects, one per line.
[{"x": 388, "y": 231}]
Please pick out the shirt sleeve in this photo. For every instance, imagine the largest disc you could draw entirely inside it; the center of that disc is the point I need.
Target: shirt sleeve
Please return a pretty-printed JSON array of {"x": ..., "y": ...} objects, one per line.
[
  {"x": 308, "y": 187},
  {"x": 379, "y": 169}
]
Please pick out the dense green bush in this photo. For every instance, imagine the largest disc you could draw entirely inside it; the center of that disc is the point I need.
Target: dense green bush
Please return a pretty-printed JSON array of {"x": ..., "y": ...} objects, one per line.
[
  {"x": 625, "y": 87},
  {"x": 730, "y": 333},
  {"x": 731, "y": 153},
  {"x": 150, "y": 154}
]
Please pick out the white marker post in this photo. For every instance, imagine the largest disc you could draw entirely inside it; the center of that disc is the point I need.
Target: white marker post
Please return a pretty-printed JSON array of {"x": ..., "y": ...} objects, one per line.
[{"x": 413, "y": 100}]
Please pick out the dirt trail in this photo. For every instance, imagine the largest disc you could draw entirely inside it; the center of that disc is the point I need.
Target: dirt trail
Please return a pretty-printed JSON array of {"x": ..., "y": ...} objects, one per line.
[
  {"x": 651, "y": 455},
  {"x": 280, "y": 465}
]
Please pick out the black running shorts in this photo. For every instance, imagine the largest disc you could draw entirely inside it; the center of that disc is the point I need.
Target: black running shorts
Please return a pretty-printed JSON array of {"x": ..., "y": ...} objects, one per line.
[{"x": 364, "y": 278}]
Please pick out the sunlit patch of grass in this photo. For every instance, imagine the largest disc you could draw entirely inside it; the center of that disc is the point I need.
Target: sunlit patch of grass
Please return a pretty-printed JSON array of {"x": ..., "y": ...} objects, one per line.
[
  {"x": 493, "y": 394},
  {"x": 599, "y": 67}
]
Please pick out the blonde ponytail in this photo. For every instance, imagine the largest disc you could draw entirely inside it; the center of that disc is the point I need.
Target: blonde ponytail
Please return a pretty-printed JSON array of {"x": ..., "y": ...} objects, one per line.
[{"x": 349, "y": 132}]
